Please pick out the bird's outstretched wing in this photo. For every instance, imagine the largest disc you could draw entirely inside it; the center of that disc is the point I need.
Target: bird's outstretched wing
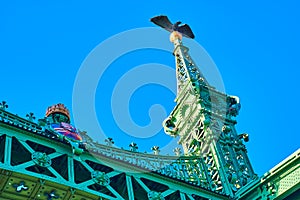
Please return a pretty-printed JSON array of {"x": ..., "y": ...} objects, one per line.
[
  {"x": 186, "y": 31},
  {"x": 163, "y": 22}
]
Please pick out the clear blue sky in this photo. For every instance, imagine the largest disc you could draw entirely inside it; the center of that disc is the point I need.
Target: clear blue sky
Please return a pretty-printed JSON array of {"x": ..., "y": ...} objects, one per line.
[{"x": 255, "y": 46}]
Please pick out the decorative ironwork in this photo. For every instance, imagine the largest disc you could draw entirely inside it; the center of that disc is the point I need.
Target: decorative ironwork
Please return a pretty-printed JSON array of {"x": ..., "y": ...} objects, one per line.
[
  {"x": 222, "y": 169},
  {"x": 109, "y": 141},
  {"x": 268, "y": 191},
  {"x": 177, "y": 151},
  {"x": 157, "y": 163},
  {"x": 155, "y": 150},
  {"x": 170, "y": 127},
  {"x": 58, "y": 108},
  {"x": 41, "y": 159},
  {"x": 20, "y": 187},
  {"x": 244, "y": 136},
  {"x": 133, "y": 147},
  {"x": 153, "y": 195},
  {"x": 204, "y": 120},
  {"x": 226, "y": 129},
  {"x": 233, "y": 103},
  {"x": 12, "y": 119},
  {"x": 3, "y": 105},
  {"x": 51, "y": 195},
  {"x": 100, "y": 178},
  {"x": 30, "y": 116}
]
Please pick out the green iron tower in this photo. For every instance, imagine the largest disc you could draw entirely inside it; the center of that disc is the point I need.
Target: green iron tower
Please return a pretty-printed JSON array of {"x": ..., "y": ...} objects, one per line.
[{"x": 204, "y": 121}]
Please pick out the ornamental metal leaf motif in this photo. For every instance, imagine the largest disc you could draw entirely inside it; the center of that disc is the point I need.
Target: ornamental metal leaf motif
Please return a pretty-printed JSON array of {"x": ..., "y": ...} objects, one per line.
[
  {"x": 41, "y": 159},
  {"x": 268, "y": 191},
  {"x": 155, "y": 150},
  {"x": 109, "y": 141},
  {"x": 177, "y": 151},
  {"x": 133, "y": 147},
  {"x": 153, "y": 195},
  {"x": 30, "y": 116},
  {"x": 19, "y": 187},
  {"x": 51, "y": 195},
  {"x": 100, "y": 178},
  {"x": 3, "y": 105}
]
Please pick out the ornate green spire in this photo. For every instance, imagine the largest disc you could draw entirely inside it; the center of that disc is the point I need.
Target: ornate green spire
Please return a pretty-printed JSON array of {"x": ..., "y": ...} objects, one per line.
[{"x": 204, "y": 121}]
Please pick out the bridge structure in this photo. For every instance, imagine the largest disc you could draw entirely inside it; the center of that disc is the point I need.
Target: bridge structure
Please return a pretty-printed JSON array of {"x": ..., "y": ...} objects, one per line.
[{"x": 50, "y": 159}]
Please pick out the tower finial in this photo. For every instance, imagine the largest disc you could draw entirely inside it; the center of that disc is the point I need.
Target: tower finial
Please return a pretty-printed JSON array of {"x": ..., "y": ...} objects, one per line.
[
  {"x": 175, "y": 35},
  {"x": 177, "y": 30}
]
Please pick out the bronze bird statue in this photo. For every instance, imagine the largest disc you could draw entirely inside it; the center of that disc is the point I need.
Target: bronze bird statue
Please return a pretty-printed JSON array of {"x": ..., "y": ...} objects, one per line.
[{"x": 164, "y": 22}]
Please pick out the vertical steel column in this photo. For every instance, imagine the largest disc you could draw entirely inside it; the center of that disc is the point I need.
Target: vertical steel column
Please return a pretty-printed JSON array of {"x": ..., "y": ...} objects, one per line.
[
  {"x": 129, "y": 187},
  {"x": 71, "y": 174},
  {"x": 7, "y": 150}
]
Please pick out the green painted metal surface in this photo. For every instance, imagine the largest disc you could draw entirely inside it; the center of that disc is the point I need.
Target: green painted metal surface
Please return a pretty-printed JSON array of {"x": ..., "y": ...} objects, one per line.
[
  {"x": 46, "y": 165},
  {"x": 36, "y": 162},
  {"x": 204, "y": 120}
]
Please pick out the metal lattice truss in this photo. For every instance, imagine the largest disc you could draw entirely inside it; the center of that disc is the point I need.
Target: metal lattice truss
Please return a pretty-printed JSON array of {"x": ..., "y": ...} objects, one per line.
[
  {"x": 33, "y": 164},
  {"x": 204, "y": 120},
  {"x": 281, "y": 182}
]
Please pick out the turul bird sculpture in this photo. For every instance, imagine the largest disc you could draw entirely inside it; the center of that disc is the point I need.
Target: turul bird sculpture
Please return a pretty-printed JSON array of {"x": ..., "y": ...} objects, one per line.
[{"x": 164, "y": 22}]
